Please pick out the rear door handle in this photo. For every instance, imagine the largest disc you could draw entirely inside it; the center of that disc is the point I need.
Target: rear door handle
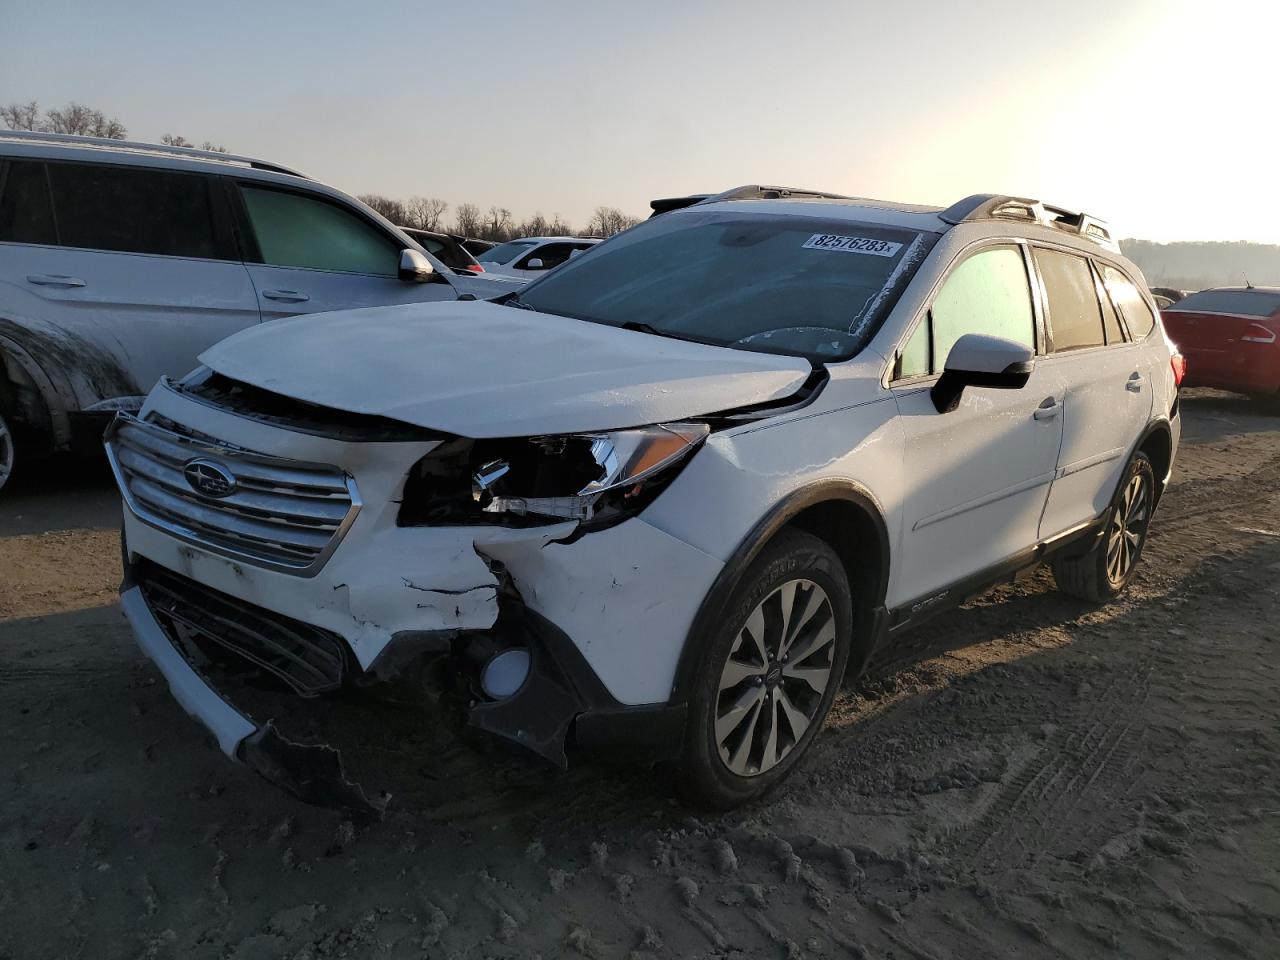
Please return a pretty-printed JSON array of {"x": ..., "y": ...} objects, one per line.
[
  {"x": 286, "y": 296},
  {"x": 1048, "y": 410},
  {"x": 54, "y": 280},
  {"x": 1134, "y": 383}
]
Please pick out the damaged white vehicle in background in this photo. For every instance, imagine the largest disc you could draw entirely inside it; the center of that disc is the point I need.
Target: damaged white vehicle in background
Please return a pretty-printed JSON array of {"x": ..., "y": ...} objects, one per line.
[{"x": 665, "y": 515}]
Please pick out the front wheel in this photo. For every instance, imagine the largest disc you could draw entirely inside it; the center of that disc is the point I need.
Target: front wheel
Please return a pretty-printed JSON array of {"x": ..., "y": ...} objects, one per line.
[
  {"x": 1103, "y": 573},
  {"x": 767, "y": 674},
  {"x": 8, "y": 450}
]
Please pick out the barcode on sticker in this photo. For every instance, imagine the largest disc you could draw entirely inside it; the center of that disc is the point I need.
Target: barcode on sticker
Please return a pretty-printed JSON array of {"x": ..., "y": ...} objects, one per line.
[{"x": 830, "y": 241}]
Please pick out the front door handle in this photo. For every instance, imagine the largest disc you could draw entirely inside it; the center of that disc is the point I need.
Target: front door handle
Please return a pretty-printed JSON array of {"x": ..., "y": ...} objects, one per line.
[
  {"x": 1134, "y": 383},
  {"x": 54, "y": 280},
  {"x": 286, "y": 296},
  {"x": 1049, "y": 409}
]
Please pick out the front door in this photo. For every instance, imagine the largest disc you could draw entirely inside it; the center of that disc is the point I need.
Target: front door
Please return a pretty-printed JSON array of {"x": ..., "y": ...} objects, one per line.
[
  {"x": 976, "y": 478},
  {"x": 313, "y": 254}
]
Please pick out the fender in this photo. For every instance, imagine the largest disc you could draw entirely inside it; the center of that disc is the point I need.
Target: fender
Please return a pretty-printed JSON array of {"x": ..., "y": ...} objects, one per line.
[
  {"x": 779, "y": 515},
  {"x": 1158, "y": 425},
  {"x": 58, "y": 398}
]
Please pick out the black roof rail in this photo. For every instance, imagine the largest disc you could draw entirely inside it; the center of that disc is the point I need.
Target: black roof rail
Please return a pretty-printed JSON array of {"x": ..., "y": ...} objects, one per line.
[
  {"x": 994, "y": 206},
  {"x": 194, "y": 153}
]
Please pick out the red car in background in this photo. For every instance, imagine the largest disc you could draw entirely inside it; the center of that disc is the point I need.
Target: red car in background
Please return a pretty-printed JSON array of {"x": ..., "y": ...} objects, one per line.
[{"x": 1228, "y": 335}]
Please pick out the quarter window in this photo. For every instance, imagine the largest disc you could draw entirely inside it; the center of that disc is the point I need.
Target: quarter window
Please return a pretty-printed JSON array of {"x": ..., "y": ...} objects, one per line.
[
  {"x": 987, "y": 293},
  {"x": 293, "y": 230},
  {"x": 26, "y": 211},
  {"x": 1075, "y": 316},
  {"x": 1137, "y": 315},
  {"x": 134, "y": 210}
]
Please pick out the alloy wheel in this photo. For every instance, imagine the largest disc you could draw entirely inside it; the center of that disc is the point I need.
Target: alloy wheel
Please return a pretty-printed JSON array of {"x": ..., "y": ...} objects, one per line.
[
  {"x": 1128, "y": 528},
  {"x": 774, "y": 679}
]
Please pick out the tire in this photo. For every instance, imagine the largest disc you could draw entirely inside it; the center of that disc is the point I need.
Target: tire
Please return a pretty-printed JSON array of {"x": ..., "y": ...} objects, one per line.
[
  {"x": 8, "y": 447},
  {"x": 740, "y": 695},
  {"x": 1105, "y": 571}
]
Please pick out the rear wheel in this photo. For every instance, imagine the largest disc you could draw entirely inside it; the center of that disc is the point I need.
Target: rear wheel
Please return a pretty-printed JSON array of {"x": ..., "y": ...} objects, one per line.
[
  {"x": 1104, "y": 572},
  {"x": 768, "y": 673}
]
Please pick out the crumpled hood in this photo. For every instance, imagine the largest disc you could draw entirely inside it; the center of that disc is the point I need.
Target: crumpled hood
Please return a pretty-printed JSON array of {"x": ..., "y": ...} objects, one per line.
[{"x": 482, "y": 370}]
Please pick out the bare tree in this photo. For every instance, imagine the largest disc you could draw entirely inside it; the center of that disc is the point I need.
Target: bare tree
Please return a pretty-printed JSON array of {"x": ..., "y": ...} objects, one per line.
[
  {"x": 180, "y": 141},
  {"x": 606, "y": 221},
  {"x": 467, "y": 220},
  {"x": 497, "y": 224},
  {"x": 74, "y": 118},
  {"x": 21, "y": 116},
  {"x": 425, "y": 213},
  {"x": 393, "y": 210}
]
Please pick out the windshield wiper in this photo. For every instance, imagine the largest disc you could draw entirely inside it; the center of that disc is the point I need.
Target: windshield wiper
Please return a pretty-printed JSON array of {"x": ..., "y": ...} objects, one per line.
[
  {"x": 513, "y": 300},
  {"x": 640, "y": 326}
]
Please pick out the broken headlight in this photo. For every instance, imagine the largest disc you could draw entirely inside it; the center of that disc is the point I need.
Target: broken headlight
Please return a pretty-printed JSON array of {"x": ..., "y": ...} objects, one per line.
[{"x": 596, "y": 479}]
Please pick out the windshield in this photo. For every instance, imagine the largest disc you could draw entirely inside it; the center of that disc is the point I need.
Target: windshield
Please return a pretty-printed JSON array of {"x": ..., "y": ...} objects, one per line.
[
  {"x": 506, "y": 252},
  {"x": 811, "y": 287},
  {"x": 1250, "y": 303}
]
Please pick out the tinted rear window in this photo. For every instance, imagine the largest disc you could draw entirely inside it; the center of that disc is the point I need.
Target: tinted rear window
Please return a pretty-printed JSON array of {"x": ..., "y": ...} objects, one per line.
[
  {"x": 506, "y": 252},
  {"x": 134, "y": 210},
  {"x": 1250, "y": 303},
  {"x": 805, "y": 286},
  {"x": 1075, "y": 316},
  {"x": 26, "y": 212}
]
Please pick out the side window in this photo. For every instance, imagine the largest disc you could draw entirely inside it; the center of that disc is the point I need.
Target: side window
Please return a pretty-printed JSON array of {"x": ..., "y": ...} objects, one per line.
[
  {"x": 26, "y": 211},
  {"x": 1137, "y": 315},
  {"x": 1110, "y": 319},
  {"x": 293, "y": 230},
  {"x": 1075, "y": 316},
  {"x": 988, "y": 293},
  {"x": 131, "y": 209},
  {"x": 551, "y": 255}
]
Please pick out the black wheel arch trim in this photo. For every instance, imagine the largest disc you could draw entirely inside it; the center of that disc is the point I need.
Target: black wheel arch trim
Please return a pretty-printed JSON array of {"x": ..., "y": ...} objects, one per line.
[
  {"x": 1158, "y": 425},
  {"x": 765, "y": 529}
]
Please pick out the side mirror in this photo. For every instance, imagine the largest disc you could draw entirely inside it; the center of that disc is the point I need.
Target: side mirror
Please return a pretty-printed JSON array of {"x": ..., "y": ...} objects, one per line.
[
  {"x": 534, "y": 264},
  {"x": 978, "y": 360},
  {"x": 415, "y": 267}
]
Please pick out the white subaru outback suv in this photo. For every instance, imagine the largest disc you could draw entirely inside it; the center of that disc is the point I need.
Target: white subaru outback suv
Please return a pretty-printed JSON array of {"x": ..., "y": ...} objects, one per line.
[
  {"x": 121, "y": 261},
  {"x": 666, "y": 497}
]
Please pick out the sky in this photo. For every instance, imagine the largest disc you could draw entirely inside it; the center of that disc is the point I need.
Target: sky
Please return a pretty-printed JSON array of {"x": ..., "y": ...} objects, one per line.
[{"x": 1156, "y": 116}]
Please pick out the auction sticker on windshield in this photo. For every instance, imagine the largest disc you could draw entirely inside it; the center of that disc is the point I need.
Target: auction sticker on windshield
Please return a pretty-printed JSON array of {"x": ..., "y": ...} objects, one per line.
[{"x": 830, "y": 241}]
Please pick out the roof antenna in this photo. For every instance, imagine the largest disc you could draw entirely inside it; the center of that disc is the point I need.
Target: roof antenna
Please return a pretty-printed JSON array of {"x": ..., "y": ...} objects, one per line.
[{"x": 1247, "y": 284}]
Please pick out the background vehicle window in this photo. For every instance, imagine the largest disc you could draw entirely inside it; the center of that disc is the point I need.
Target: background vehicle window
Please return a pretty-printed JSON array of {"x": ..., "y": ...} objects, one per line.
[
  {"x": 1137, "y": 315},
  {"x": 988, "y": 293},
  {"x": 1075, "y": 316},
  {"x": 26, "y": 212},
  {"x": 1249, "y": 303},
  {"x": 551, "y": 255},
  {"x": 506, "y": 252},
  {"x": 297, "y": 231},
  {"x": 134, "y": 210}
]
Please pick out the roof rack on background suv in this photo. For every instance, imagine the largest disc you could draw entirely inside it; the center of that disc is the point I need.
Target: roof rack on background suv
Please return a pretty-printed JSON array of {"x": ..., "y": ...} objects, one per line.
[
  {"x": 137, "y": 146},
  {"x": 993, "y": 206}
]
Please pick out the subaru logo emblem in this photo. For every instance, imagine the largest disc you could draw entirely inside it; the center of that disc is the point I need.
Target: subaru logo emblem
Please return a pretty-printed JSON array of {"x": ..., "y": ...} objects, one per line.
[{"x": 209, "y": 479}]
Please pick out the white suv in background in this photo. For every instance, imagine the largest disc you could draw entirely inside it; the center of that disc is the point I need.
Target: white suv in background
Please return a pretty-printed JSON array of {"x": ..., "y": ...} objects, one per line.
[
  {"x": 530, "y": 257},
  {"x": 120, "y": 262},
  {"x": 668, "y": 515}
]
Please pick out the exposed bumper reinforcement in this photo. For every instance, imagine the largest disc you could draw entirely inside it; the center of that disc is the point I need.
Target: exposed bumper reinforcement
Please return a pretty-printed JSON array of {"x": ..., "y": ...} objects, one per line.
[{"x": 311, "y": 772}]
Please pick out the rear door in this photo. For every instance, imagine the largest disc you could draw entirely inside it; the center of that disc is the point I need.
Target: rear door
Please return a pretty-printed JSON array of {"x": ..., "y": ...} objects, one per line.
[
  {"x": 134, "y": 267},
  {"x": 1108, "y": 389},
  {"x": 308, "y": 253}
]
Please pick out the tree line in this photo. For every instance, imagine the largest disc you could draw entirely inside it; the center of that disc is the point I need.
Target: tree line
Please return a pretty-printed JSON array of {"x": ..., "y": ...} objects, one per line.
[
  {"x": 496, "y": 223},
  {"x": 422, "y": 213},
  {"x": 1195, "y": 265}
]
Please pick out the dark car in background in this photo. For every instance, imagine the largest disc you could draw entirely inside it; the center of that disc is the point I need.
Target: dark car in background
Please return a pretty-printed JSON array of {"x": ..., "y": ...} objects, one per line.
[
  {"x": 1228, "y": 335},
  {"x": 448, "y": 249}
]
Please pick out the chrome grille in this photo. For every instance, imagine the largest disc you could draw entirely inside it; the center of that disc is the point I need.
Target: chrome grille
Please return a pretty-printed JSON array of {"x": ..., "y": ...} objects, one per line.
[{"x": 281, "y": 514}]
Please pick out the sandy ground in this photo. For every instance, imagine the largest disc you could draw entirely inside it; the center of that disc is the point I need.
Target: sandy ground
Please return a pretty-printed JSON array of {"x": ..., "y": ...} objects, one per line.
[{"x": 1025, "y": 777}]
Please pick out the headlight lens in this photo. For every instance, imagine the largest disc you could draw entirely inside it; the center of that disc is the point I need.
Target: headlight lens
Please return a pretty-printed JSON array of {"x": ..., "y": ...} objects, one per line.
[{"x": 597, "y": 479}]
